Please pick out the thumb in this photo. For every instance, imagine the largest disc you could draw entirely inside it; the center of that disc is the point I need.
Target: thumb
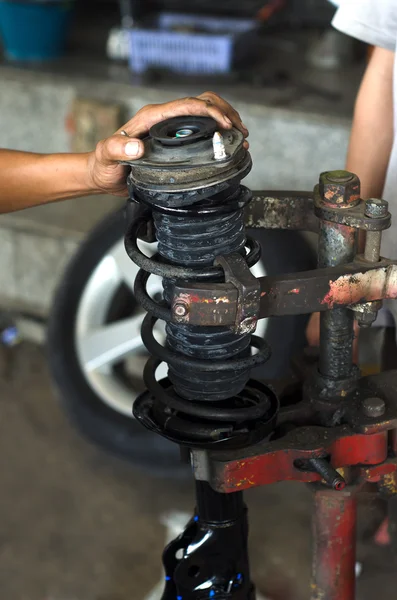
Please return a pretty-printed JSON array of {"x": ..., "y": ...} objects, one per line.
[{"x": 118, "y": 147}]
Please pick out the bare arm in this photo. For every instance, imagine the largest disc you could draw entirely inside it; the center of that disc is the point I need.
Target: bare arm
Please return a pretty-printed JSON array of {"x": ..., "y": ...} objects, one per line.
[
  {"x": 371, "y": 142},
  {"x": 31, "y": 179},
  {"x": 372, "y": 131}
]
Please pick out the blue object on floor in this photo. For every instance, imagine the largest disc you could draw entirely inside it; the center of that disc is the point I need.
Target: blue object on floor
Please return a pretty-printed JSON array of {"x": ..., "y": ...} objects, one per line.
[{"x": 35, "y": 30}]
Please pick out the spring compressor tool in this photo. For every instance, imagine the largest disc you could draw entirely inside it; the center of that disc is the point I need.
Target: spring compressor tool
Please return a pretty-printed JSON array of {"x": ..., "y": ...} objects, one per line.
[{"x": 326, "y": 426}]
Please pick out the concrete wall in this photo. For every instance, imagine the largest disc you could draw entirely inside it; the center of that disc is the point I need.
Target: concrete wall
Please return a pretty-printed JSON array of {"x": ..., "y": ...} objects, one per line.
[{"x": 289, "y": 148}]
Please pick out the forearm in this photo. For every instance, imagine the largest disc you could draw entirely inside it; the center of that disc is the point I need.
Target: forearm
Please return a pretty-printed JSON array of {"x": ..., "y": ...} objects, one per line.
[
  {"x": 372, "y": 132},
  {"x": 31, "y": 179}
]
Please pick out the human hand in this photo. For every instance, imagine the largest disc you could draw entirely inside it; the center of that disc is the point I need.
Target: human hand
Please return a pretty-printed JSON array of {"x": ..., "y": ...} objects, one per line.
[{"x": 106, "y": 174}]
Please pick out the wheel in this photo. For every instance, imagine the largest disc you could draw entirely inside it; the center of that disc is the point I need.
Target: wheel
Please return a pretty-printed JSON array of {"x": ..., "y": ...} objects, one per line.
[{"x": 95, "y": 351}]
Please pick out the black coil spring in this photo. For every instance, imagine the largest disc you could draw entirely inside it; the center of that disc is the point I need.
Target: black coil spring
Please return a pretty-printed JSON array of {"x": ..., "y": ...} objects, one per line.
[{"x": 207, "y": 365}]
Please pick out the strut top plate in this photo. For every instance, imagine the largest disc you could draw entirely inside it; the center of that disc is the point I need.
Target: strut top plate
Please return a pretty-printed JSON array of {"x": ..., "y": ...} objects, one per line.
[
  {"x": 179, "y": 158},
  {"x": 181, "y": 131}
]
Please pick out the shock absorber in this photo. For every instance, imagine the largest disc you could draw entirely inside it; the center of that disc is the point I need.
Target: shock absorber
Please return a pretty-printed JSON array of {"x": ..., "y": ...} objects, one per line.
[{"x": 188, "y": 187}]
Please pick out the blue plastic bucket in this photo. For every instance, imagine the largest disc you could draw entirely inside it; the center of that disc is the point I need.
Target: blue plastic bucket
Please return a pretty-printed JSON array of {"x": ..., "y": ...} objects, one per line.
[{"x": 35, "y": 30}]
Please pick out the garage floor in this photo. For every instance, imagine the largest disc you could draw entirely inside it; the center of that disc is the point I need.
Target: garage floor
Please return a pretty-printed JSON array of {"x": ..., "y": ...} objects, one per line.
[{"x": 77, "y": 524}]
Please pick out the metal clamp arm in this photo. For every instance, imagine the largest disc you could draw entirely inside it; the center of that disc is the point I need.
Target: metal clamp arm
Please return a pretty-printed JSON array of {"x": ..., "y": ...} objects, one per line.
[
  {"x": 298, "y": 293},
  {"x": 282, "y": 210}
]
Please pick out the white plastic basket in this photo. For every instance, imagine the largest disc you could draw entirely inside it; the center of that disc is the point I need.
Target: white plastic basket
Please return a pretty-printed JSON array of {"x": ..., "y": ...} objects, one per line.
[{"x": 210, "y": 51}]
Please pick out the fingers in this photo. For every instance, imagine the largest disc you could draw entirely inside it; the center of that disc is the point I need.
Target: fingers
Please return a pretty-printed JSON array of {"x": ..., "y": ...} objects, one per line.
[
  {"x": 118, "y": 148},
  {"x": 207, "y": 105},
  {"x": 227, "y": 109}
]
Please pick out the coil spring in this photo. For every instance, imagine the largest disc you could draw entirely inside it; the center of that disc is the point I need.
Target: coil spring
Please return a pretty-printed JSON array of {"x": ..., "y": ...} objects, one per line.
[{"x": 206, "y": 395}]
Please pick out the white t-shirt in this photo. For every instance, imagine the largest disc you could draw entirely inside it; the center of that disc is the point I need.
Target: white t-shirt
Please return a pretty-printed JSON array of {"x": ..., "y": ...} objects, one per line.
[{"x": 375, "y": 22}]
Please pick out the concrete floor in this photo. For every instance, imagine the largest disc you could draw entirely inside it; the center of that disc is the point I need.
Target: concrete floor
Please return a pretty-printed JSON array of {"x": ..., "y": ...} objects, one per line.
[{"x": 78, "y": 524}]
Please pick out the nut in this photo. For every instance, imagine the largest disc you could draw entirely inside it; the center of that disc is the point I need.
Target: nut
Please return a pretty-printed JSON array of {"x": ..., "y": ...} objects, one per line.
[
  {"x": 248, "y": 325},
  {"x": 365, "y": 320},
  {"x": 339, "y": 189},
  {"x": 374, "y": 407},
  {"x": 180, "y": 309},
  {"x": 376, "y": 208},
  {"x": 366, "y": 313}
]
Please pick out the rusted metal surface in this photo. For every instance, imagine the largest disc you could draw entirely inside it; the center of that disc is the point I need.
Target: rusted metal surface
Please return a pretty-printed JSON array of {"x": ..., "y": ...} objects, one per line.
[
  {"x": 208, "y": 304},
  {"x": 300, "y": 211},
  {"x": 334, "y": 545},
  {"x": 339, "y": 189},
  {"x": 374, "y": 209},
  {"x": 326, "y": 289},
  {"x": 337, "y": 246},
  {"x": 372, "y": 246},
  {"x": 366, "y": 313},
  {"x": 269, "y": 463},
  {"x": 248, "y": 289},
  {"x": 336, "y": 344},
  {"x": 282, "y": 210},
  {"x": 388, "y": 483},
  {"x": 340, "y": 203},
  {"x": 295, "y": 294},
  {"x": 354, "y": 217},
  {"x": 360, "y": 451}
]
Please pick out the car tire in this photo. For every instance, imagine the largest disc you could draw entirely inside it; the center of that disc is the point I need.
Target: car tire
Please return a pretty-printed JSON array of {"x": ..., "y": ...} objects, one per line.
[{"x": 119, "y": 433}]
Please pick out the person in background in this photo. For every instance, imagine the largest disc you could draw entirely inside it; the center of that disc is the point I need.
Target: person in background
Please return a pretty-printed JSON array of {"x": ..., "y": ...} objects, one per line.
[
  {"x": 332, "y": 50},
  {"x": 28, "y": 179},
  {"x": 372, "y": 152}
]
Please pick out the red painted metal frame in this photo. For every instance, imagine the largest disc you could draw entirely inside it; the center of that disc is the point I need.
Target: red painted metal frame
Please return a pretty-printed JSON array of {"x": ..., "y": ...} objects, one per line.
[
  {"x": 334, "y": 537},
  {"x": 360, "y": 458},
  {"x": 363, "y": 451}
]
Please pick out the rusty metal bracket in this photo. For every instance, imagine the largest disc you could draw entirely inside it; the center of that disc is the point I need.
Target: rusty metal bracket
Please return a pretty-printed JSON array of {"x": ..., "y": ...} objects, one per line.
[
  {"x": 210, "y": 304},
  {"x": 298, "y": 293},
  {"x": 248, "y": 289},
  {"x": 282, "y": 210},
  {"x": 360, "y": 449},
  {"x": 325, "y": 289},
  {"x": 355, "y": 216},
  {"x": 302, "y": 211}
]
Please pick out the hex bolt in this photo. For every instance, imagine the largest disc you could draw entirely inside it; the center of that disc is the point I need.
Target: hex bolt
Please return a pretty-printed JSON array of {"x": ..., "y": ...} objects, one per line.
[
  {"x": 180, "y": 309},
  {"x": 328, "y": 473},
  {"x": 374, "y": 209},
  {"x": 339, "y": 189},
  {"x": 374, "y": 407},
  {"x": 339, "y": 176},
  {"x": 366, "y": 313}
]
